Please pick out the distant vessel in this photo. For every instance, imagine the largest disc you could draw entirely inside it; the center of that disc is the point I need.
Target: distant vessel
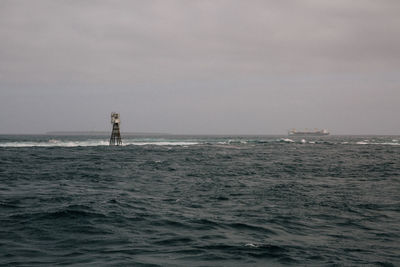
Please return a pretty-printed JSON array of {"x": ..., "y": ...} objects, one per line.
[{"x": 315, "y": 132}]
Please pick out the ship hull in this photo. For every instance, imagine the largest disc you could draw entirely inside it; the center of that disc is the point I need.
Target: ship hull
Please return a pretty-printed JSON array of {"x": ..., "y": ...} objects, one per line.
[{"x": 308, "y": 134}]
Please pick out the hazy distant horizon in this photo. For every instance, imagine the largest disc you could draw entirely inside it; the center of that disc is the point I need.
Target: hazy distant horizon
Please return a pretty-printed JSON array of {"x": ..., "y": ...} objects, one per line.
[
  {"x": 200, "y": 67},
  {"x": 140, "y": 133}
]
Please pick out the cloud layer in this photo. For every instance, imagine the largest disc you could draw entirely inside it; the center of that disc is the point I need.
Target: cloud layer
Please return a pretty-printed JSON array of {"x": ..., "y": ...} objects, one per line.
[{"x": 200, "y": 66}]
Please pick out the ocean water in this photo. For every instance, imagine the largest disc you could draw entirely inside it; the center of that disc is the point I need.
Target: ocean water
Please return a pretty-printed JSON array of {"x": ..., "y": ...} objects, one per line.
[{"x": 200, "y": 201}]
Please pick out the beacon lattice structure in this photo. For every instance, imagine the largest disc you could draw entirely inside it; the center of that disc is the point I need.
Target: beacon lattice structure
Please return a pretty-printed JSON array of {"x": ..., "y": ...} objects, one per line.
[{"x": 115, "y": 139}]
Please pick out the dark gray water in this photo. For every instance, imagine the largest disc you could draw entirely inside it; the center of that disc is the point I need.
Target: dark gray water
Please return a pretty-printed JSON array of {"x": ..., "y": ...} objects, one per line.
[{"x": 200, "y": 201}]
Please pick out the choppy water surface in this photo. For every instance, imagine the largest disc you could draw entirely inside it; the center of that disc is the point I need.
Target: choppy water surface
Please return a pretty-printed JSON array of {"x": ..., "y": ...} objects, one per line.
[{"x": 200, "y": 201}]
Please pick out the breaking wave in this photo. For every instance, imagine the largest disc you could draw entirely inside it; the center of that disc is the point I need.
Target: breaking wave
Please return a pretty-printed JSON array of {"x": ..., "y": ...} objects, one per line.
[
  {"x": 54, "y": 143},
  {"x": 88, "y": 143},
  {"x": 366, "y": 142}
]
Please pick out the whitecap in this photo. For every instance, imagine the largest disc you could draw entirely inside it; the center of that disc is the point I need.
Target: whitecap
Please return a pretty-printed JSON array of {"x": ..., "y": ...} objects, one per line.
[
  {"x": 250, "y": 245},
  {"x": 161, "y": 143},
  {"x": 362, "y": 143},
  {"x": 55, "y": 143},
  {"x": 88, "y": 143},
  {"x": 286, "y": 140},
  {"x": 386, "y": 143}
]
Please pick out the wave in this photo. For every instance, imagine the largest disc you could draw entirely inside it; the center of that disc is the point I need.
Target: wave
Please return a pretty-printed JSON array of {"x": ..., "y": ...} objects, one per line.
[
  {"x": 52, "y": 143},
  {"x": 88, "y": 143},
  {"x": 188, "y": 142},
  {"x": 376, "y": 143},
  {"x": 165, "y": 143},
  {"x": 362, "y": 143},
  {"x": 285, "y": 140}
]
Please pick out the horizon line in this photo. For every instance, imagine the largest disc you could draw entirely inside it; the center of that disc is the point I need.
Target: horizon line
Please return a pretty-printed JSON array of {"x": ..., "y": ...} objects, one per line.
[{"x": 127, "y": 133}]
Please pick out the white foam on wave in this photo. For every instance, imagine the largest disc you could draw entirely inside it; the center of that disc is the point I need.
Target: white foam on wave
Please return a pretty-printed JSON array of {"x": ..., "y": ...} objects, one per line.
[
  {"x": 161, "y": 143},
  {"x": 386, "y": 143},
  {"x": 362, "y": 143},
  {"x": 251, "y": 245},
  {"x": 55, "y": 143},
  {"x": 88, "y": 143},
  {"x": 376, "y": 143},
  {"x": 286, "y": 140}
]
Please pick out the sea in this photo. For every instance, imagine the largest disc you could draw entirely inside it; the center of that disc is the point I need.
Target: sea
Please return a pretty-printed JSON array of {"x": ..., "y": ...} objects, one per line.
[{"x": 200, "y": 201}]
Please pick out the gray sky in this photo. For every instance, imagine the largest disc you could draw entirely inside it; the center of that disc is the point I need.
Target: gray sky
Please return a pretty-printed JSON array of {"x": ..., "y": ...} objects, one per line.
[{"x": 205, "y": 67}]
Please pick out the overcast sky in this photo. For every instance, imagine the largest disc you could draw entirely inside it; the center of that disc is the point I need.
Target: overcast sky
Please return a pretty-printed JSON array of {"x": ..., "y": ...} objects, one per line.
[{"x": 200, "y": 67}]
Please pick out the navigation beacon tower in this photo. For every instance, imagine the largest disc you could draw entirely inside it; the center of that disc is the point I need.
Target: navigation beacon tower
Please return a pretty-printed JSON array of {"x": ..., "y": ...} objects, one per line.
[{"x": 115, "y": 139}]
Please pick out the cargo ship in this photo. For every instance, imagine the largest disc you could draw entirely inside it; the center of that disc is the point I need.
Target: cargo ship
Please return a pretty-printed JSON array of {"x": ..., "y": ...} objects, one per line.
[{"x": 315, "y": 132}]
